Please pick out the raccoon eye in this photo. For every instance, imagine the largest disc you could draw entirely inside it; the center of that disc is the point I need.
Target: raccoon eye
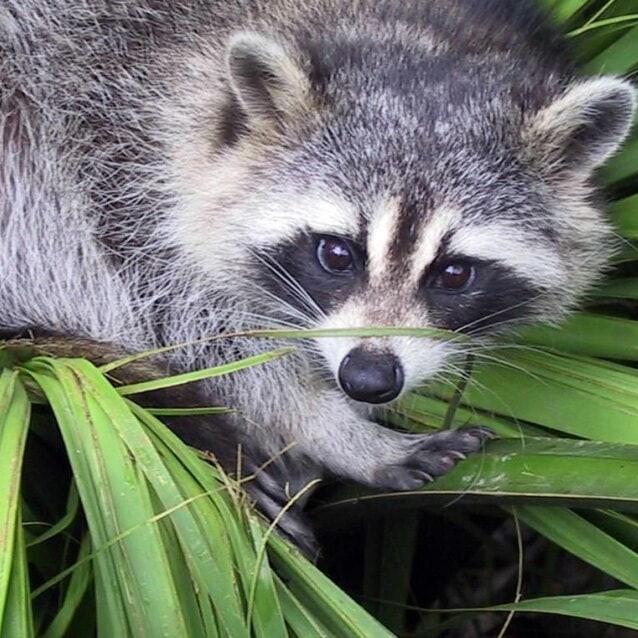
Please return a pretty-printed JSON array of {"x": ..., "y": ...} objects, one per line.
[
  {"x": 335, "y": 255},
  {"x": 455, "y": 276}
]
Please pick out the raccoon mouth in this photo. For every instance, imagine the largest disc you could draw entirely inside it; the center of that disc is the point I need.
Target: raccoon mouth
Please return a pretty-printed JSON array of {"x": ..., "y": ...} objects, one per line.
[{"x": 371, "y": 377}]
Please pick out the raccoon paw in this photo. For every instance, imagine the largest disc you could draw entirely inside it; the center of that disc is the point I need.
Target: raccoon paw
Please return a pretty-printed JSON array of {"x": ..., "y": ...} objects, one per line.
[
  {"x": 270, "y": 499},
  {"x": 428, "y": 456}
]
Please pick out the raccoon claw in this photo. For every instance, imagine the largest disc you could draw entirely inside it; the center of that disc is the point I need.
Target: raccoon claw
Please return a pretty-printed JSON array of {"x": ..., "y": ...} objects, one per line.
[
  {"x": 430, "y": 456},
  {"x": 427, "y": 478}
]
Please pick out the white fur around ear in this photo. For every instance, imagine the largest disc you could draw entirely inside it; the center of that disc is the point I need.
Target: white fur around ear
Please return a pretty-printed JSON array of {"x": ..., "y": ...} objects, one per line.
[
  {"x": 584, "y": 126},
  {"x": 268, "y": 82}
]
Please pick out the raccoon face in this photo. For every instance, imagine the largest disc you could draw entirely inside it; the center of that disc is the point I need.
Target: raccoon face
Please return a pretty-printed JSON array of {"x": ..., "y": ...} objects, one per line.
[
  {"x": 374, "y": 197},
  {"x": 439, "y": 278}
]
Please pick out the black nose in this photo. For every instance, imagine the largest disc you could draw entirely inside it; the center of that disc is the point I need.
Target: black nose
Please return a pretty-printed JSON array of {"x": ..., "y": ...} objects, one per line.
[{"x": 372, "y": 377}]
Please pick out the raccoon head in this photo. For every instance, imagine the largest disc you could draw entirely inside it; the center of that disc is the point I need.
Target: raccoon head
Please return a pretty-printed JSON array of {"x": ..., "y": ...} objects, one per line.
[{"x": 369, "y": 186}]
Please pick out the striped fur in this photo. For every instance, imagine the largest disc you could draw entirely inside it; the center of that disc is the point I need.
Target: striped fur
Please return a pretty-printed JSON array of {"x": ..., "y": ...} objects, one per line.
[{"x": 169, "y": 170}]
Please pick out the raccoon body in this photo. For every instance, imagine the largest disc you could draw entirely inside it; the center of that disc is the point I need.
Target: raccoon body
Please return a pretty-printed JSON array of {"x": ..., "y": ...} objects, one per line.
[{"x": 172, "y": 171}]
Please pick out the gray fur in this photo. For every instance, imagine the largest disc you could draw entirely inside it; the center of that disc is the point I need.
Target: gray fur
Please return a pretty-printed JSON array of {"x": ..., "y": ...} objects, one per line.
[{"x": 155, "y": 154}]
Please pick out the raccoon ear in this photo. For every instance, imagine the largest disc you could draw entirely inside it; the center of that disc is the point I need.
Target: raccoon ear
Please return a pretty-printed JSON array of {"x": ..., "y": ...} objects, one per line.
[
  {"x": 584, "y": 126},
  {"x": 269, "y": 84}
]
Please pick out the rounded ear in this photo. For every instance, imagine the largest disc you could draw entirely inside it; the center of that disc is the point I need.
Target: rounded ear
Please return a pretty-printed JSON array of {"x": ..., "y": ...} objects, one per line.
[
  {"x": 582, "y": 127},
  {"x": 268, "y": 83}
]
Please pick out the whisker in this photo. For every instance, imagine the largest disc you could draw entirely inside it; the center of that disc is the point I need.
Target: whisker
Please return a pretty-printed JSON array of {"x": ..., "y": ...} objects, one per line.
[
  {"x": 280, "y": 305},
  {"x": 521, "y": 304},
  {"x": 292, "y": 285}
]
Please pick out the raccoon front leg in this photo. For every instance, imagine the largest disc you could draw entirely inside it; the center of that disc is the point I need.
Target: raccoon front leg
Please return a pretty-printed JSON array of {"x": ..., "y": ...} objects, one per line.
[
  {"x": 426, "y": 456},
  {"x": 351, "y": 446}
]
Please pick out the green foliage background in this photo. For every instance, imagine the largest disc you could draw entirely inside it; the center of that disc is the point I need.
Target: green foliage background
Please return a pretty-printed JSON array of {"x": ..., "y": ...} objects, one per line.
[{"x": 109, "y": 524}]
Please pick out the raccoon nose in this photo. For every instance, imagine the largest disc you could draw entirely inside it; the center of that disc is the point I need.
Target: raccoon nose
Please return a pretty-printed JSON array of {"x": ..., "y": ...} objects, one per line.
[{"x": 371, "y": 377}]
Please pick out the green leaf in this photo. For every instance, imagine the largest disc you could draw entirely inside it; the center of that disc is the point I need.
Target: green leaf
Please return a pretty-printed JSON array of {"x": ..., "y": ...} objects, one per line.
[
  {"x": 563, "y": 10},
  {"x": 619, "y": 57},
  {"x": 17, "y": 617},
  {"x": 540, "y": 471},
  {"x": 589, "y": 335},
  {"x": 624, "y": 165},
  {"x": 15, "y": 606},
  {"x": 619, "y": 288},
  {"x": 79, "y": 584},
  {"x": 583, "y": 539},
  {"x": 206, "y": 373},
  {"x": 328, "y": 604},
  {"x": 220, "y": 553},
  {"x": 618, "y": 607},
  {"x": 399, "y": 535},
  {"x": 302, "y": 624},
  {"x": 582, "y": 397},
  {"x": 624, "y": 215},
  {"x": 130, "y": 561}
]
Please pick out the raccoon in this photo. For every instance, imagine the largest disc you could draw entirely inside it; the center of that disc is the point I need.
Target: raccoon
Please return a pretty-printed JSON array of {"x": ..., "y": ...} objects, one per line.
[{"x": 175, "y": 171}]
